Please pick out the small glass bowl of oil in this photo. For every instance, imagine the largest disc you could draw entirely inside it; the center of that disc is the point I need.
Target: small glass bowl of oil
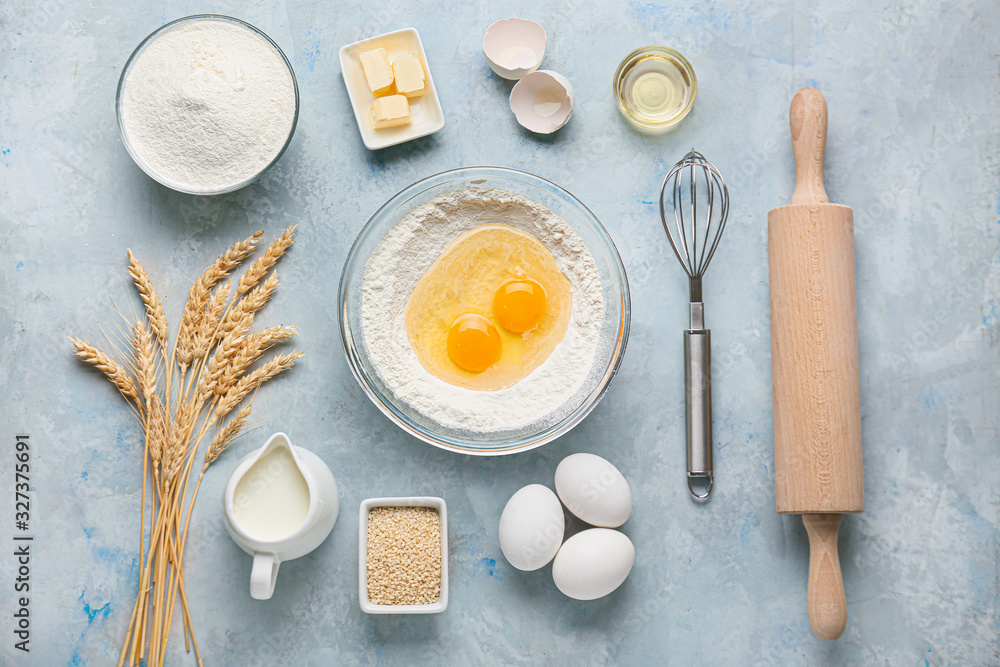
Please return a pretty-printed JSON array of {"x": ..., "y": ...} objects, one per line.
[{"x": 655, "y": 87}]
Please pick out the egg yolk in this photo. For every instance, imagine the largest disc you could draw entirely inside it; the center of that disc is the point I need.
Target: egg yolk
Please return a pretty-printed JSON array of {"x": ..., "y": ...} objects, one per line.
[
  {"x": 521, "y": 324},
  {"x": 519, "y": 304},
  {"x": 473, "y": 343}
]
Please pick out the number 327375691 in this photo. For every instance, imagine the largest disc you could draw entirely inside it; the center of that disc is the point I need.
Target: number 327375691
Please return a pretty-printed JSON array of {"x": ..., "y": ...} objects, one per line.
[{"x": 22, "y": 505}]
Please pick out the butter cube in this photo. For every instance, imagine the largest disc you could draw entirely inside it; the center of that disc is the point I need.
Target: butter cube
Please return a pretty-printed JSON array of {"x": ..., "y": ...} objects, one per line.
[
  {"x": 409, "y": 75},
  {"x": 378, "y": 72},
  {"x": 391, "y": 111}
]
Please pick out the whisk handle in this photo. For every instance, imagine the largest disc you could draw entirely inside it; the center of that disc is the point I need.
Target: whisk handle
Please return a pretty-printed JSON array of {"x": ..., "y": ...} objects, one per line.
[
  {"x": 698, "y": 410},
  {"x": 807, "y": 118}
]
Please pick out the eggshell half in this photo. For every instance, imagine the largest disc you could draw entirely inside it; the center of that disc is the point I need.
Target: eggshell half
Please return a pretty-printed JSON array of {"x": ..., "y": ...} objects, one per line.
[
  {"x": 542, "y": 101},
  {"x": 593, "y": 563},
  {"x": 594, "y": 490},
  {"x": 531, "y": 527},
  {"x": 514, "y": 47}
]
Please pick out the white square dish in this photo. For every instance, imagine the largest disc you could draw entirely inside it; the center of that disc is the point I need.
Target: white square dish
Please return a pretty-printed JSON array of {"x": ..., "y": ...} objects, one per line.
[
  {"x": 367, "y": 605},
  {"x": 425, "y": 110}
]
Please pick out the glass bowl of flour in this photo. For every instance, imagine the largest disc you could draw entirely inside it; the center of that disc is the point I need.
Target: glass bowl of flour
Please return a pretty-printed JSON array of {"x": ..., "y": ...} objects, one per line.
[
  {"x": 398, "y": 245},
  {"x": 207, "y": 104}
]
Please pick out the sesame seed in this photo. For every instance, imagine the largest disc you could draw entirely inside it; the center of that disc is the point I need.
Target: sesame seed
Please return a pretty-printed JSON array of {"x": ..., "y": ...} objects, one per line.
[{"x": 404, "y": 555}]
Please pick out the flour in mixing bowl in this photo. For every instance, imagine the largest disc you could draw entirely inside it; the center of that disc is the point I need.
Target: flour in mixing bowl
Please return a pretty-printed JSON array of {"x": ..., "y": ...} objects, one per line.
[{"x": 405, "y": 254}]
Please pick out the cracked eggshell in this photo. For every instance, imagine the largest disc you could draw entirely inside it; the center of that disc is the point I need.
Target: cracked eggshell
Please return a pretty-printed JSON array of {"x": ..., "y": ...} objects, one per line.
[
  {"x": 531, "y": 527},
  {"x": 594, "y": 490},
  {"x": 593, "y": 563},
  {"x": 542, "y": 101},
  {"x": 514, "y": 47}
]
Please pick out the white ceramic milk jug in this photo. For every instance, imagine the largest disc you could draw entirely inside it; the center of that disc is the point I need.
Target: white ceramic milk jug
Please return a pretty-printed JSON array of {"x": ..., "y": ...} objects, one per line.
[{"x": 280, "y": 503}]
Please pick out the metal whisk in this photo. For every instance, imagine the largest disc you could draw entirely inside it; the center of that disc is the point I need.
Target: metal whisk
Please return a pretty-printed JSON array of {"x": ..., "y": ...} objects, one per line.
[{"x": 701, "y": 205}]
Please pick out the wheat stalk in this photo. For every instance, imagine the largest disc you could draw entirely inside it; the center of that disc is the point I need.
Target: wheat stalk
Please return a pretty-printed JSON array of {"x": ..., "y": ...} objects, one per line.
[
  {"x": 111, "y": 368},
  {"x": 156, "y": 432},
  {"x": 245, "y": 308},
  {"x": 227, "y": 434},
  {"x": 199, "y": 296},
  {"x": 232, "y": 397},
  {"x": 154, "y": 307},
  {"x": 263, "y": 264},
  {"x": 145, "y": 364},
  {"x": 251, "y": 348},
  {"x": 215, "y": 345},
  {"x": 204, "y": 337}
]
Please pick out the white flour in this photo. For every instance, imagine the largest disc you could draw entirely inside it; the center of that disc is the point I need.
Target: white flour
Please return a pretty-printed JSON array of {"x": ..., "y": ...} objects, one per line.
[
  {"x": 208, "y": 104},
  {"x": 405, "y": 254}
]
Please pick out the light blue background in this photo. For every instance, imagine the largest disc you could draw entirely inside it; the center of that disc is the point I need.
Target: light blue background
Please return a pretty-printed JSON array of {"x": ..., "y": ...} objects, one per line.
[{"x": 913, "y": 93}]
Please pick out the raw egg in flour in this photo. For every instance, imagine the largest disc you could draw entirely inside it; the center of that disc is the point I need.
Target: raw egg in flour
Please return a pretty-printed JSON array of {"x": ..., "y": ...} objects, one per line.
[
  {"x": 519, "y": 304},
  {"x": 490, "y": 309},
  {"x": 473, "y": 343}
]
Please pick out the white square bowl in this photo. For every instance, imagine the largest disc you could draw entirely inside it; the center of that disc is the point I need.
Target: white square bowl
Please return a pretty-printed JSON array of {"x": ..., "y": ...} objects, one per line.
[
  {"x": 425, "y": 110},
  {"x": 367, "y": 605}
]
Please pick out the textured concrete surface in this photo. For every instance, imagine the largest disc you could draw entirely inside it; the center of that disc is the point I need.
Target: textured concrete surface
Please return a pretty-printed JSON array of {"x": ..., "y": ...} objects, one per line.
[{"x": 913, "y": 91}]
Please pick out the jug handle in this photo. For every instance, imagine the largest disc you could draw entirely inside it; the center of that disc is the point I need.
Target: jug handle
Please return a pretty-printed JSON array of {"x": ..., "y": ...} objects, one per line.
[{"x": 263, "y": 575}]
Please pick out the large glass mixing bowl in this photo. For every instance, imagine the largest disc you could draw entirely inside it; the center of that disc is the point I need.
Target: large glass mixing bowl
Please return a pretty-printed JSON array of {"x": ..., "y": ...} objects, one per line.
[{"x": 611, "y": 340}]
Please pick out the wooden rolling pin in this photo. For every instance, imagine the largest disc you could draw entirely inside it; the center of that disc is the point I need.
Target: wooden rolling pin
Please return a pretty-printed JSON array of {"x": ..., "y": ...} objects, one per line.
[{"x": 814, "y": 363}]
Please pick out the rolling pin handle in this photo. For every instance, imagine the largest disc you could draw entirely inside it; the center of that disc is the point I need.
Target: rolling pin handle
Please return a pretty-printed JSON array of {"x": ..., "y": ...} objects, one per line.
[
  {"x": 827, "y": 603},
  {"x": 807, "y": 118}
]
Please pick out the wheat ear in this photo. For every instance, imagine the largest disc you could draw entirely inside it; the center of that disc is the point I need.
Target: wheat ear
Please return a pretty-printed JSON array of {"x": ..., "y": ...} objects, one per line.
[
  {"x": 227, "y": 434},
  {"x": 204, "y": 337},
  {"x": 248, "y": 383},
  {"x": 263, "y": 264},
  {"x": 145, "y": 370},
  {"x": 244, "y": 309},
  {"x": 157, "y": 424},
  {"x": 111, "y": 368},
  {"x": 200, "y": 294},
  {"x": 154, "y": 307},
  {"x": 175, "y": 448},
  {"x": 248, "y": 351}
]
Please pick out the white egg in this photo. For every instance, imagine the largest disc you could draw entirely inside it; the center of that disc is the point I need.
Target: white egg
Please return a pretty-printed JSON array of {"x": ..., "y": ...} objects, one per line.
[
  {"x": 531, "y": 527},
  {"x": 593, "y": 563},
  {"x": 594, "y": 490}
]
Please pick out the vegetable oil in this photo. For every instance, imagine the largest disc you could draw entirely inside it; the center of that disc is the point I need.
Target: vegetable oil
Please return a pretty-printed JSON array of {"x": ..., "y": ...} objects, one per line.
[{"x": 655, "y": 87}]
